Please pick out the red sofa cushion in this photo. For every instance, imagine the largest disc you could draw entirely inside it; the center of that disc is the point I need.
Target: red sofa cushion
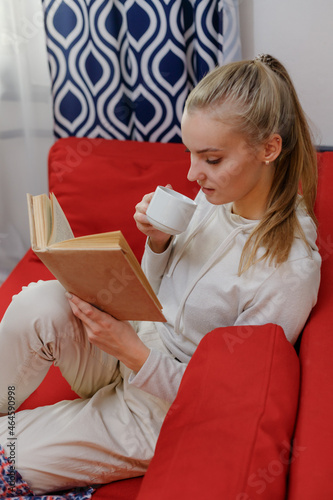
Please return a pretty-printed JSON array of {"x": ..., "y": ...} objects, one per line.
[
  {"x": 312, "y": 470},
  {"x": 228, "y": 433},
  {"x": 98, "y": 182}
]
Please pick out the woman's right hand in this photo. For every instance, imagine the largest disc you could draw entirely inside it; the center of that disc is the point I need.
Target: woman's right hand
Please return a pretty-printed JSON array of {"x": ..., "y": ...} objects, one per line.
[{"x": 158, "y": 241}]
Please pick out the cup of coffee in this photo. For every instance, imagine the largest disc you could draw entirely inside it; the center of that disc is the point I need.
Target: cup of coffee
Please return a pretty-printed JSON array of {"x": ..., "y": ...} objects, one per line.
[{"x": 170, "y": 211}]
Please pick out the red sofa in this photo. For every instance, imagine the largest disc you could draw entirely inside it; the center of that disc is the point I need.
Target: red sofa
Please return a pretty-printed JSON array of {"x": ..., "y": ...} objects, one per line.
[{"x": 253, "y": 416}]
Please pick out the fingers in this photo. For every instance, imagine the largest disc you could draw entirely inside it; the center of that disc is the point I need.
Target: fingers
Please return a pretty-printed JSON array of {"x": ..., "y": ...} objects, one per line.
[
  {"x": 117, "y": 338},
  {"x": 142, "y": 206},
  {"x": 87, "y": 313},
  {"x": 79, "y": 304},
  {"x": 140, "y": 214},
  {"x": 157, "y": 237}
]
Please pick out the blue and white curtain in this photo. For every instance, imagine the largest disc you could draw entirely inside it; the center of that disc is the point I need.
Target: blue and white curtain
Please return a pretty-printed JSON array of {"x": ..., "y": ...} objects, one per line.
[{"x": 123, "y": 68}]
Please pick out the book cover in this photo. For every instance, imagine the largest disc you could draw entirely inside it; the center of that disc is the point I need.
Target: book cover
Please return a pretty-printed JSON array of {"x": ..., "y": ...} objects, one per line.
[{"x": 100, "y": 269}]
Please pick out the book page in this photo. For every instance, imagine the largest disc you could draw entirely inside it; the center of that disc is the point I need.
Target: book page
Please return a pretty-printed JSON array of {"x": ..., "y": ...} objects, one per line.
[
  {"x": 99, "y": 240},
  {"x": 41, "y": 211},
  {"x": 32, "y": 228},
  {"x": 61, "y": 230}
]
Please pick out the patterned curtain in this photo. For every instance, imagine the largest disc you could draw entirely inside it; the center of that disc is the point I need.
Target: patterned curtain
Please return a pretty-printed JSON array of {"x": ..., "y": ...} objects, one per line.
[{"x": 122, "y": 68}]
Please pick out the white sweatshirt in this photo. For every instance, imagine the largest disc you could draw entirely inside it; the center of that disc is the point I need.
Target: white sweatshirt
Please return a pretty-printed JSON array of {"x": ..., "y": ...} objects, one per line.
[{"x": 196, "y": 280}]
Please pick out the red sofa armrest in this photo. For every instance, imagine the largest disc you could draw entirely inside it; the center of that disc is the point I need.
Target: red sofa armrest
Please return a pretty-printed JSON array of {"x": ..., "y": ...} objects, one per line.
[{"x": 311, "y": 474}]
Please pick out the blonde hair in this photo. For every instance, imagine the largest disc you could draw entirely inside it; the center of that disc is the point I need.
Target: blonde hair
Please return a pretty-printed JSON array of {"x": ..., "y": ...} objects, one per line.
[{"x": 260, "y": 100}]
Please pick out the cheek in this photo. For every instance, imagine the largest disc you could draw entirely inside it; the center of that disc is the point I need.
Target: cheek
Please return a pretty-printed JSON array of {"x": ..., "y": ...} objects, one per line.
[
  {"x": 230, "y": 174},
  {"x": 235, "y": 167}
]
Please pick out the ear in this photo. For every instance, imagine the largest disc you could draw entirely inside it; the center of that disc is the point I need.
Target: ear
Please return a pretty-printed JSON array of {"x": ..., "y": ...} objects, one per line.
[{"x": 271, "y": 148}]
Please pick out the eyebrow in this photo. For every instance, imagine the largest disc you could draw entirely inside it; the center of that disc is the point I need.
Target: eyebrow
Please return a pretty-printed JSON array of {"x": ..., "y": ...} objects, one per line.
[{"x": 207, "y": 150}]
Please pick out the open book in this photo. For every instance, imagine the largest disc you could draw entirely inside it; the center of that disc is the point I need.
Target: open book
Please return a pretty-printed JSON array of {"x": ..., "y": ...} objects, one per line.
[{"x": 100, "y": 268}]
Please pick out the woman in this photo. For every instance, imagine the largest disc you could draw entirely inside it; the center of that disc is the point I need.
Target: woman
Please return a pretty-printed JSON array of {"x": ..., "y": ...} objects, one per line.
[{"x": 248, "y": 257}]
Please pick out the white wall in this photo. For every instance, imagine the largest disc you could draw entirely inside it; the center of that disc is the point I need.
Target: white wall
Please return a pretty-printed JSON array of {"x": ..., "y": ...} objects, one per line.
[
  {"x": 25, "y": 122},
  {"x": 300, "y": 34}
]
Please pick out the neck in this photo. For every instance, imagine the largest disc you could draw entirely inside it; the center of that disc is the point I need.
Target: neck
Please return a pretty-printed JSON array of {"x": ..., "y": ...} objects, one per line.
[
  {"x": 253, "y": 212},
  {"x": 253, "y": 205}
]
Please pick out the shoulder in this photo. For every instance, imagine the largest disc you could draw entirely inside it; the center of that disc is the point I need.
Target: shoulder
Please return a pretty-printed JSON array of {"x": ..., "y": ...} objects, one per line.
[
  {"x": 297, "y": 277},
  {"x": 308, "y": 248}
]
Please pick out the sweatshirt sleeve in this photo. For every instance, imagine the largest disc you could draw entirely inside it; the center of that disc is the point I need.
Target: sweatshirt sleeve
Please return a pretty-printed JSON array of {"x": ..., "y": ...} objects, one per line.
[
  {"x": 154, "y": 265},
  {"x": 285, "y": 298},
  {"x": 160, "y": 375}
]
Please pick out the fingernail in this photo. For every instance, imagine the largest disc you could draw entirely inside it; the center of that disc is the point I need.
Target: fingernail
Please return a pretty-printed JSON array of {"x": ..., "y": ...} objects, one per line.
[{"x": 68, "y": 295}]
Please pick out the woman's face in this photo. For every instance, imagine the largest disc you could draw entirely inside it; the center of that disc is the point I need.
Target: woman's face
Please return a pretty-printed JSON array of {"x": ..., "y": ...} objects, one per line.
[{"x": 224, "y": 165}]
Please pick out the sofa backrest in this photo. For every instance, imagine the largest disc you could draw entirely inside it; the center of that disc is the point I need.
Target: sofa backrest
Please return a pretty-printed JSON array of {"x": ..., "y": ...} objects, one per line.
[{"x": 98, "y": 182}]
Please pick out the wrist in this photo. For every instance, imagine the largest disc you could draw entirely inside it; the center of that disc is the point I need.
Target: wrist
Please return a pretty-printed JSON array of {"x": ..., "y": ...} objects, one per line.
[
  {"x": 135, "y": 363},
  {"x": 158, "y": 246}
]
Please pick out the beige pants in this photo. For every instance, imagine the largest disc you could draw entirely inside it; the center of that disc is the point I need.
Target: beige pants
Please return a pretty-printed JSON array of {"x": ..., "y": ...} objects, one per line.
[{"x": 107, "y": 435}]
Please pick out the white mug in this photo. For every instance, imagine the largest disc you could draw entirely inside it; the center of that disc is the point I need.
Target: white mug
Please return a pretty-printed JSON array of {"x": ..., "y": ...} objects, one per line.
[{"x": 170, "y": 211}]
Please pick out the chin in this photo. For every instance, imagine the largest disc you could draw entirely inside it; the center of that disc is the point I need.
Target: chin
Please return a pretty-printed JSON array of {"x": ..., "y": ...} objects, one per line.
[{"x": 213, "y": 197}]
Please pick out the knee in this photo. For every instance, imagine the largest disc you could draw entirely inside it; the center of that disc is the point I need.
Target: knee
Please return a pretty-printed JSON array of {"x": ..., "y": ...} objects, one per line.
[
  {"x": 42, "y": 293},
  {"x": 44, "y": 300}
]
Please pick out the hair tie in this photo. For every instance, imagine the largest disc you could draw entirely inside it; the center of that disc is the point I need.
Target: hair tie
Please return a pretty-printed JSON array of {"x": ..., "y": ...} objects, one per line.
[{"x": 265, "y": 59}]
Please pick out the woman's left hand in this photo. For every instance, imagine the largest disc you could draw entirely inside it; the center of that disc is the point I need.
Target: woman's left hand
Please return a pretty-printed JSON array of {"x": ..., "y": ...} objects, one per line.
[{"x": 115, "y": 337}]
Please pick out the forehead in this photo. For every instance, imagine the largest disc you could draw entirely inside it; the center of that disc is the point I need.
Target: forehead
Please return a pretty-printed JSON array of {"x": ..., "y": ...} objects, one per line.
[{"x": 205, "y": 130}]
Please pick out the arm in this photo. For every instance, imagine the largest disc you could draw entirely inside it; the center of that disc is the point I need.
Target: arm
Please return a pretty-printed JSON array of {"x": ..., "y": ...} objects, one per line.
[
  {"x": 285, "y": 298},
  {"x": 119, "y": 338},
  {"x": 152, "y": 370},
  {"x": 158, "y": 241},
  {"x": 115, "y": 337},
  {"x": 154, "y": 265},
  {"x": 160, "y": 375}
]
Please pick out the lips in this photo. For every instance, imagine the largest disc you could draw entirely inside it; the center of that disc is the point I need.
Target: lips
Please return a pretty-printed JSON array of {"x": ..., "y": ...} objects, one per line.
[{"x": 206, "y": 190}]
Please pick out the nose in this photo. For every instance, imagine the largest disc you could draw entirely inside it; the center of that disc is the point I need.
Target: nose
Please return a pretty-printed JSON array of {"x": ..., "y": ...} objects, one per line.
[{"x": 195, "y": 172}]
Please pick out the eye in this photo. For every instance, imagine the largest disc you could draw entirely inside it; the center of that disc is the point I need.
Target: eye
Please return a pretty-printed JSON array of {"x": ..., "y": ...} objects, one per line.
[{"x": 216, "y": 161}]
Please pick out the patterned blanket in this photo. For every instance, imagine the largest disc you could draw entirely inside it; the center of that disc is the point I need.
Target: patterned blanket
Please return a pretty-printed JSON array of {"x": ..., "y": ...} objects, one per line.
[{"x": 14, "y": 487}]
